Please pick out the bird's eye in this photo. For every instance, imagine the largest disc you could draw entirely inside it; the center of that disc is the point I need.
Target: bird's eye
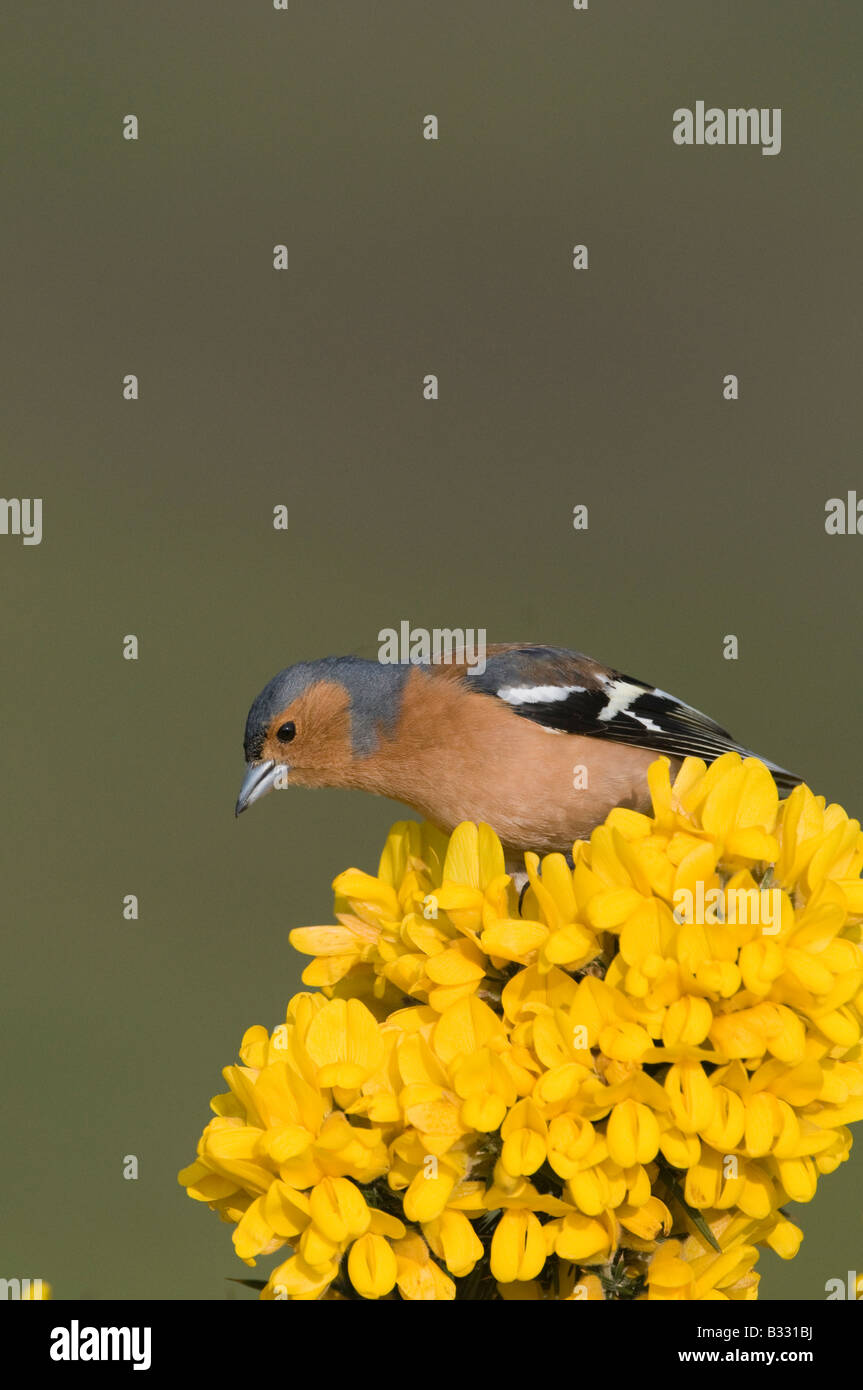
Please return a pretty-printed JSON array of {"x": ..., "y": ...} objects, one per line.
[{"x": 286, "y": 732}]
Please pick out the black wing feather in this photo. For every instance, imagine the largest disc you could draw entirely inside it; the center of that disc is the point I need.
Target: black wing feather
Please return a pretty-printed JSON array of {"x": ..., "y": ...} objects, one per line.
[{"x": 607, "y": 704}]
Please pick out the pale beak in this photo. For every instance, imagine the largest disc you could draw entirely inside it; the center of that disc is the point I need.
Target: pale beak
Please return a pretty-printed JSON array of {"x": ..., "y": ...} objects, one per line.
[{"x": 260, "y": 778}]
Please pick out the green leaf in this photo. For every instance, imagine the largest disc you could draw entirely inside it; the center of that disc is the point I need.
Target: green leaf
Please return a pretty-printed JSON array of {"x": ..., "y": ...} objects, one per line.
[{"x": 692, "y": 1212}]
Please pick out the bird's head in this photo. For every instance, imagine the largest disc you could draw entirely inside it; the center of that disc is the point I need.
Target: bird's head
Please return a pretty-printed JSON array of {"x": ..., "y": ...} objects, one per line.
[{"x": 312, "y": 722}]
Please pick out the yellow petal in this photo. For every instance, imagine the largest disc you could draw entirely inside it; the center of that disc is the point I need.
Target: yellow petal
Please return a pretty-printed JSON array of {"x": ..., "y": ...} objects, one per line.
[
  {"x": 518, "y": 1248},
  {"x": 286, "y": 1210},
  {"x": 339, "y": 1209},
  {"x": 632, "y": 1134},
  {"x": 297, "y": 1279},
  {"x": 372, "y": 1266},
  {"x": 513, "y": 939},
  {"x": 464, "y": 1028},
  {"x": 462, "y": 856},
  {"x": 253, "y": 1233},
  {"x": 453, "y": 1239},
  {"x": 368, "y": 893},
  {"x": 345, "y": 1043}
]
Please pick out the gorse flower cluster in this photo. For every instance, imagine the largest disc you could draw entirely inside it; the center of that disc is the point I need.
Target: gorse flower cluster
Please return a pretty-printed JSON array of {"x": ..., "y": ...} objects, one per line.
[{"x": 563, "y": 1093}]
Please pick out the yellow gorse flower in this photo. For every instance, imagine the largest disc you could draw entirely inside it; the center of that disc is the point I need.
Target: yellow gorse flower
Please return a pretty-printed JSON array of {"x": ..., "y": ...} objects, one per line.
[{"x": 583, "y": 1091}]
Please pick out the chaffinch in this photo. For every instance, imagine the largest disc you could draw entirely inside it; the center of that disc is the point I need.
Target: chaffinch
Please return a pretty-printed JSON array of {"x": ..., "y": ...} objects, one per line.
[{"x": 540, "y": 746}]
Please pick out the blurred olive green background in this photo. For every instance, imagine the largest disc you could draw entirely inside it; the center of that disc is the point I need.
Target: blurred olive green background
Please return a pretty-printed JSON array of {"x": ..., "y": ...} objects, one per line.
[{"x": 304, "y": 388}]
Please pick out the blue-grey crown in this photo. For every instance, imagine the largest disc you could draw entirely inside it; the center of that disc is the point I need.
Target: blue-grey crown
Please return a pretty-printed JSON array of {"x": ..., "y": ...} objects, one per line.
[{"x": 373, "y": 686}]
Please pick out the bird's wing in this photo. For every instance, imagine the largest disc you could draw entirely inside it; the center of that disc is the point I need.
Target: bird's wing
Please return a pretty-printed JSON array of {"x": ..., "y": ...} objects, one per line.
[{"x": 572, "y": 693}]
